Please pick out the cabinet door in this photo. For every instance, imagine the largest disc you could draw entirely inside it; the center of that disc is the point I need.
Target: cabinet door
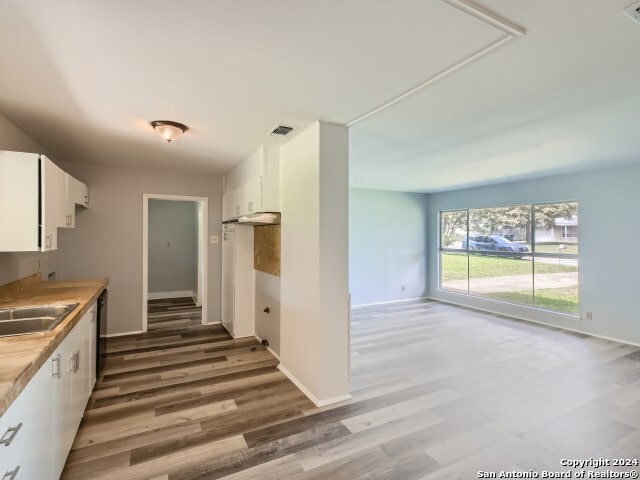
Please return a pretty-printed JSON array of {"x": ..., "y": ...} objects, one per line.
[
  {"x": 270, "y": 181},
  {"x": 228, "y": 284},
  {"x": 84, "y": 365},
  {"x": 253, "y": 195},
  {"x": 49, "y": 195},
  {"x": 19, "y": 201},
  {"x": 243, "y": 282},
  {"x": 27, "y": 431},
  {"x": 37, "y": 461},
  {"x": 93, "y": 348},
  {"x": 78, "y": 192},
  {"x": 14, "y": 447},
  {"x": 231, "y": 206},
  {"x": 64, "y": 419},
  {"x": 63, "y": 199}
]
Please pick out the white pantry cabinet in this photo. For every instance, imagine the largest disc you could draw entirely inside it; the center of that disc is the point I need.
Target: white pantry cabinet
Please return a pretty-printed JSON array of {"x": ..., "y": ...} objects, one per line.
[
  {"x": 253, "y": 186},
  {"x": 36, "y": 197},
  {"x": 238, "y": 280}
]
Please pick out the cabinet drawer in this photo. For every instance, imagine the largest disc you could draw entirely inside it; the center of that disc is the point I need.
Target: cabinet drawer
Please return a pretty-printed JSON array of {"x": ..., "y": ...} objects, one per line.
[{"x": 13, "y": 427}]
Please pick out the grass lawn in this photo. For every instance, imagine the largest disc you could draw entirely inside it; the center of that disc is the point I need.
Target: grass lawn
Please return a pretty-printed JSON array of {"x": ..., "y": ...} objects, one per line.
[
  {"x": 557, "y": 299},
  {"x": 454, "y": 266}
]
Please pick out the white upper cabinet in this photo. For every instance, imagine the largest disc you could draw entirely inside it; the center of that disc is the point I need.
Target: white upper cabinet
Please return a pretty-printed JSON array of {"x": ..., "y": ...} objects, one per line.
[
  {"x": 19, "y": 202},
  {"x": 76, "y": 193},
  {"x": 36, "y": 197},
  {"x": 253, "y": 186}
]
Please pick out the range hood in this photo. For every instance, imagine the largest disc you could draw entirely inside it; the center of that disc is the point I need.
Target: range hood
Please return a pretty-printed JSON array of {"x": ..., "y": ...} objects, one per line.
[{"x": 262, "y": 218}]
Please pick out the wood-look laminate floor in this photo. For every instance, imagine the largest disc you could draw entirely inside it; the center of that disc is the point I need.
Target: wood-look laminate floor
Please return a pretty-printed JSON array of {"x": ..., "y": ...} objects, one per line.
[{"x": 438, "y": 392}]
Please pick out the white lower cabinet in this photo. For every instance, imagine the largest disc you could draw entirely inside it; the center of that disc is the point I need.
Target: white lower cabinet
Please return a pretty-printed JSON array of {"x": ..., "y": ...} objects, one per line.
[
  {"x": 26, "y": 429},
  {"x": 71, "y": 388},
  {"x": 13, "y": 426},
  {"x": 40, "y": 425}
]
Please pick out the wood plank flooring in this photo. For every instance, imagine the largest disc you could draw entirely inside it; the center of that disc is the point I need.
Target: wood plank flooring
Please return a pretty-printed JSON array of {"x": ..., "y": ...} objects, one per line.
[{"x": 438, "y": 392}]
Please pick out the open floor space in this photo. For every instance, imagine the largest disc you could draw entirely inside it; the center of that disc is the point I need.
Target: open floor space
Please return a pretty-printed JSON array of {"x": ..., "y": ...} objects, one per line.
[{"x": 438, "y": 391}]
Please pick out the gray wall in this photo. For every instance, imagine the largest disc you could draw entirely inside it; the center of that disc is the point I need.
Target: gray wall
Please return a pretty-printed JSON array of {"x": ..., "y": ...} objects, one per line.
[
  {"x": 107, "y": 240},
  {"x": 387, "y": 247},
  {"x": 14, "y": 266},
  {"x": 173, "y": 252},
  {"x": 609, "y": 229}
]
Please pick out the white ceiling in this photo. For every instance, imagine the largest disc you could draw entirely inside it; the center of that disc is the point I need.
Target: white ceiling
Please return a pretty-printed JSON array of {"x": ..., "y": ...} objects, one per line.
[{"x": 85, "y": 77}]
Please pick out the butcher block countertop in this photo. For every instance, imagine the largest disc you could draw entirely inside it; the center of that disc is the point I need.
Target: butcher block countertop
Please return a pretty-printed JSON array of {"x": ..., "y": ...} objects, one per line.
[{"x": 22, "y": 356}]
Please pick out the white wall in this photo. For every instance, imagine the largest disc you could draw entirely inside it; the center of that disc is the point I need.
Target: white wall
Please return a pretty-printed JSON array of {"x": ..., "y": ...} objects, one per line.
[
  {"x": 173, "y": 253},
  {"x": 387, "y": 246},
  {"x": 609, "y": 268},
  {"x": 314, "y": 348},
  {"x": 14, "y": 266},
  {"x": 107, "y": 240},
  {"x": 268, "y": 295}
]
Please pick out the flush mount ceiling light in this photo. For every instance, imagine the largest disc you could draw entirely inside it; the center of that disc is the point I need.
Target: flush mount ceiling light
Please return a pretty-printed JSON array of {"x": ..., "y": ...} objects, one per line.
[{"x": 169, "y": 130}]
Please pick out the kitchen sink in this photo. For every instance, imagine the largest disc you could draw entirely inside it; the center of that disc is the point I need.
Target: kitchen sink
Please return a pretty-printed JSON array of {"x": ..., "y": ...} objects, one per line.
[{"x": 33, "y": 318}]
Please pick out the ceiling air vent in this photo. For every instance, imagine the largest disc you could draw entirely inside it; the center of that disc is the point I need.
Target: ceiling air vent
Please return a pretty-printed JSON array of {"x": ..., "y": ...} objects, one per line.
[
  {"x": 281, "y": 130},
  {"x": 633, "y": 11}
]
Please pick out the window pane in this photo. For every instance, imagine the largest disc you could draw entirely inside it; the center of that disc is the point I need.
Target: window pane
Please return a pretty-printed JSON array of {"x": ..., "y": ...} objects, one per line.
[
  {"x": 454, "y": 271},
  {"x": 501, "y": 278},
  {"x": 454, "y": 268},
  {"x": 499, "y": 254},
  {"x": 453, "y": 228},
  {"x": 557, "y": 228},
  {"x": 556, "y": 284},
  {"x": 501, "y": 231},
  {"x": 495, "y": 258}
]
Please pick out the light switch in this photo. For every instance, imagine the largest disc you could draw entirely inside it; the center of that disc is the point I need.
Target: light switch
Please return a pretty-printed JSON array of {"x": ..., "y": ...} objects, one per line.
[{"x": 214, "y": 239}]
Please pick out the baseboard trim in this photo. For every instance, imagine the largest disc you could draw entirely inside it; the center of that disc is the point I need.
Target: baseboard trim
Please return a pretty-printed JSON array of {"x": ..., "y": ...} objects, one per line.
[
  {"x": 175, "y": 294},
  {"x": 303, "y": 389},
  {"x": 213, "y": 323},
  {"x": 269, "y": 349},
  {"x": 123, "y": 334},
  {"x": 390, "y": 301},
  {"x": 539, "y": 322}
]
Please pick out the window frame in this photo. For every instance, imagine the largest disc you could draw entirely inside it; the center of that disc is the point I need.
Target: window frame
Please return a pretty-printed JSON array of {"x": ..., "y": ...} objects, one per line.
[{"x": 533, "y": 254}]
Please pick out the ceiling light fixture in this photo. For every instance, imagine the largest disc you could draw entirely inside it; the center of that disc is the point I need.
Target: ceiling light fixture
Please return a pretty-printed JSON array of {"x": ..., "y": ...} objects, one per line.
[{"x": 169, "y": 130}]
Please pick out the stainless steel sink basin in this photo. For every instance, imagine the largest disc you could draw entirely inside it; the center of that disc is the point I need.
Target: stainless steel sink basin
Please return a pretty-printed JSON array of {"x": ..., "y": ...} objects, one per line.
[{"x": 32, "y": 319}]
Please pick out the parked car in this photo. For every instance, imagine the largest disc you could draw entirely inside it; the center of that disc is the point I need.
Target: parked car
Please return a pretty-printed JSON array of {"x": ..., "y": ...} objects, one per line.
[{"x": 495, "y": 244}]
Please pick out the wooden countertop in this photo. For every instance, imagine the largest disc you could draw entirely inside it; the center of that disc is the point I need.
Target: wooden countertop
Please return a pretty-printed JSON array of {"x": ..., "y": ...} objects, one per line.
[{"x": 22, "y": 356}]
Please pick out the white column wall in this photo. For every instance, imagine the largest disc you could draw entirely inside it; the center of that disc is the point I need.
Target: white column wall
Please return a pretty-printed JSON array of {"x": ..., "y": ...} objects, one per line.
[{"x": 314, "y": 262}]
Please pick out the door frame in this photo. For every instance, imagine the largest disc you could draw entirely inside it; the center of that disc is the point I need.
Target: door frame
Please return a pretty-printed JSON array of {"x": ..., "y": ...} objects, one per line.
[{"x": 202, "y": 207}]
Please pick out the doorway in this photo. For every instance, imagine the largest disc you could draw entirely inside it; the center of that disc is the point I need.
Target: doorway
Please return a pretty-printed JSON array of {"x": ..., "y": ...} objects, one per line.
[{"x": 174, "y": 250}]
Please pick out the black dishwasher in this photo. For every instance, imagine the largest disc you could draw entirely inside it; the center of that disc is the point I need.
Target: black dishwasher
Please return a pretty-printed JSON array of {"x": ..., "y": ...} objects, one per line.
[{"x": 101, "y": 350}]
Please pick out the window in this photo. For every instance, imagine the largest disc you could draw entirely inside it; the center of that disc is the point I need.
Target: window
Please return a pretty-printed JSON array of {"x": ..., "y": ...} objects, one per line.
[{"x": 522, "y": 254}]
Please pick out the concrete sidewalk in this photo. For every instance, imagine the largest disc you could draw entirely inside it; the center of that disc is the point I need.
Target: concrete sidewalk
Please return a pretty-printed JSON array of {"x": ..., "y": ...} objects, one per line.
[{"x": 514, "y": 283}]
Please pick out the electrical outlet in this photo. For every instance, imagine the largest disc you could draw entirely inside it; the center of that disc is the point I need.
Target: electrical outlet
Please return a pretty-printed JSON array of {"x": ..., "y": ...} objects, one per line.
[
  {"x": 214, "y": 239},
  {"x": 403, "y": 288},
  {"x": 588, "y": 316}
]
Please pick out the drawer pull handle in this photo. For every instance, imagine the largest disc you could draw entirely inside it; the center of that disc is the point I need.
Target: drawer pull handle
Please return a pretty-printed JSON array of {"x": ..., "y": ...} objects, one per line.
[
  {"x": 11, "y": 432},
  {"x": 11, "y": 475},
  {"x": 56, "y": 371}
]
